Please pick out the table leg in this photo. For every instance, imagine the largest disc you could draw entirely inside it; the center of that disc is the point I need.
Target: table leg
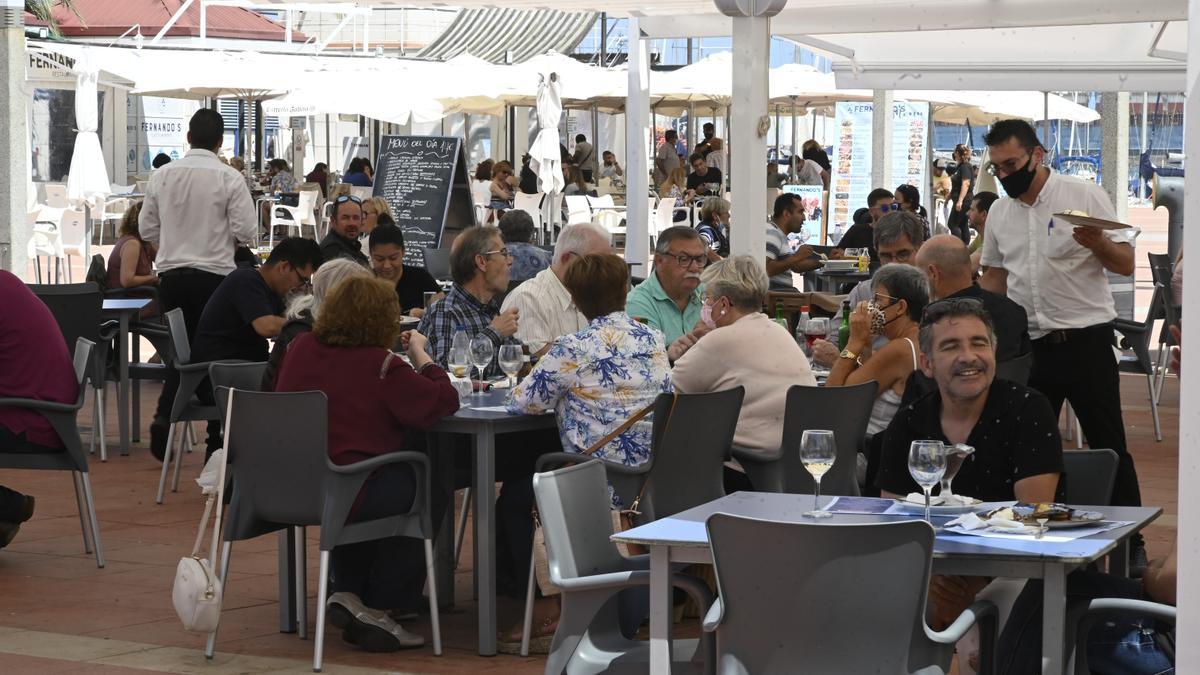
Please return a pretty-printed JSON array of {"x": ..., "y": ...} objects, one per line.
[
  {"x": 442, "y": 468},
  {"x": 123, "y": 383},
  {"x": 660, "y": 610},
  {"x": 1118, "y": 560},
  {"x": 135, "y": 431},
  {"x": 484, "y": 539},
  {"x": 287, "y": 587},
  {"x": 1054, "y": 618}
]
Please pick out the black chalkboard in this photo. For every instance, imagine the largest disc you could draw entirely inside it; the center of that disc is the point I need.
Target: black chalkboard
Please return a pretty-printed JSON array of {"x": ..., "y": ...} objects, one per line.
[{"x": 424, "y": 180}]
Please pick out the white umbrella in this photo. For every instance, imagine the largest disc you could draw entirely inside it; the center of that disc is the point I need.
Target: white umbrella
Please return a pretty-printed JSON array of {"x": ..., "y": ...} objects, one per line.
[
  {"x": 545, "y": 156},
  {"x": 88, "y": 177}
]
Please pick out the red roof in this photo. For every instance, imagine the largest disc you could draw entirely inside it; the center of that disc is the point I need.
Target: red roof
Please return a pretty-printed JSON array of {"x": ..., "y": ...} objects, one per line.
[{"x": 109, "y": 18}]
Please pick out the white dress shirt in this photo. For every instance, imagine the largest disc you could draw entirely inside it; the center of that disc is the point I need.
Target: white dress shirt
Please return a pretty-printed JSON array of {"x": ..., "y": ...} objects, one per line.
[
  {"x": 197, "y": 210},
  {"x": 545, "y": 311},
  {"x": 1060, "y": 284}
]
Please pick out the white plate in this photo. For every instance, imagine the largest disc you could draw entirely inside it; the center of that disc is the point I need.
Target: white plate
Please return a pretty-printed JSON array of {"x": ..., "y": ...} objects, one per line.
[
  {"x": 409, "y": 321},
  {"x": 1088, "y": 221},
  {"x": 919, "y": 509}
]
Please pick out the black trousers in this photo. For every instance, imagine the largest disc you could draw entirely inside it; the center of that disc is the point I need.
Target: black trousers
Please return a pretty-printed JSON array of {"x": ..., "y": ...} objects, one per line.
[
  {"x": 189, "y": 290},
  {"x": 12, "y": 503},
  {"x": 386, "y": 573},
  {"x": 957, "y": 222},
  {"x": 1081, "y": 369}
]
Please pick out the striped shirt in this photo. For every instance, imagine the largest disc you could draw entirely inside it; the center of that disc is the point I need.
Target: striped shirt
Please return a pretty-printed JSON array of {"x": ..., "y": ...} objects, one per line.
[{"x": 779, "y": 247}]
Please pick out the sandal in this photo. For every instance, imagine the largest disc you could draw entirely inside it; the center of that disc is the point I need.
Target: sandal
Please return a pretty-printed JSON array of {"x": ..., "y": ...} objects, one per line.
[{"x": 539, "y": 641}]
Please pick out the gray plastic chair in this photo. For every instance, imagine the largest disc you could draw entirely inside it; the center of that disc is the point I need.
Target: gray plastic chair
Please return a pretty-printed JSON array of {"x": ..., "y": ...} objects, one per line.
[
  {"x": 586, "y": 565},
  {"x": 187, "y": 408},
  {"x": 1101, "y": 608},
  {"x": 1091, "y": 475},
  {"x": 845, "y": 410},
  {"x": 1016, "y": 369},
  {"x": 1137, "y": 336},
  {"x": 62, "y": 417},
  {"x": 245, "y": 376},
  {"x": 285, "y": 479},
  {"x": 437, "y": 262},
  {"x": 803, "y": 597},
  {"x": 77, "y": 309}
]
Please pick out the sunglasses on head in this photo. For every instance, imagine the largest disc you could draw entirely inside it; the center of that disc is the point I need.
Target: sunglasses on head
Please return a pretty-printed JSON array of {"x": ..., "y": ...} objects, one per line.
[{"x": 347, "y": 198}]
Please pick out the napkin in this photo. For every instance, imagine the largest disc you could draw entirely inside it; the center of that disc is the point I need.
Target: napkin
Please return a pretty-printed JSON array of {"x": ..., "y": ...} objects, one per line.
[
  {"x": 919, "y": 498},
  {"x": 971, "y": 521}
]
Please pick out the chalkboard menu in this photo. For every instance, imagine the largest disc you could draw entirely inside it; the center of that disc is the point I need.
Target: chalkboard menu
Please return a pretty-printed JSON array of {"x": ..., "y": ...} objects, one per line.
[{"x": 424, "y": 180}]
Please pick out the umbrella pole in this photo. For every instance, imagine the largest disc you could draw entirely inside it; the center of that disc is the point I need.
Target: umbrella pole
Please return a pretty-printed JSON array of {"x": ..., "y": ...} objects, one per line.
[{"x": 793, "y": 126}]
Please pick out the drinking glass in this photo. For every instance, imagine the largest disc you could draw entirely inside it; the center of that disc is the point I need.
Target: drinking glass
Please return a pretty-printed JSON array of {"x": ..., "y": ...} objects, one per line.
[
  {"x": 814, "y": 329},
  {"x": 817, "y": 452},
  {"x": 482, "y": 352},
  {"x": 459, "y": 361},
  {"x": 462, "y": 385},
  {"x": 955, "y": 456},
  {"x": 926, "y": 464},
  {"x": 510, "y": 359}
]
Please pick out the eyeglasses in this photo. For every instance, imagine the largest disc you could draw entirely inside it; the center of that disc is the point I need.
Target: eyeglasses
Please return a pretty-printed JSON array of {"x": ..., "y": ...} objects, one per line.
[
  {"x": 347, "y": 198},
  {"x": 936, "y": 311},
  {"x": 304, "y": 281},
  {"x": 1009, "y": 166},
  {"x": 504, "y": 252},
  {"x": 686, "y": 261}
]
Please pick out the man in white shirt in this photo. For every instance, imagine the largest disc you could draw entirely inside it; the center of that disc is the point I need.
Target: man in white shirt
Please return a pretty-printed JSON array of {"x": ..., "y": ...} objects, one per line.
[
  {"x": 611, "y": 168},
  {"x": 666, "y": 158},
  {"x": 544, "y": 304},
  {"x": 197, "y": 210},
  {"x": 1057, "y": 273}
]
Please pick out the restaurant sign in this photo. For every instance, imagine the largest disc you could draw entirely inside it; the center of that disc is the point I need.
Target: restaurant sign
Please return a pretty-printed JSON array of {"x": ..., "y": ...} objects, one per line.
[{"x": 44, "y": 65}]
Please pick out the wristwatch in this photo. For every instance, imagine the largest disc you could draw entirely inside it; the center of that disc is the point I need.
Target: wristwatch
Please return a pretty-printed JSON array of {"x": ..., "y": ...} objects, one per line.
[{"x": 847, "y": 354}]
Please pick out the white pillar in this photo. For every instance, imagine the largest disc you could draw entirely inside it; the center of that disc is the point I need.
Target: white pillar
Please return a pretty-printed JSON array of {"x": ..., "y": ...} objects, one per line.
[
  {"x": 14, "y": 160},
  {"x": 637, "y": 160},
  {"x": 881, "y": 140},
  {"x": 1187, "y": 656},
  {"x": 1114, "y": 150},
  {"x": 748, "y": 148}
]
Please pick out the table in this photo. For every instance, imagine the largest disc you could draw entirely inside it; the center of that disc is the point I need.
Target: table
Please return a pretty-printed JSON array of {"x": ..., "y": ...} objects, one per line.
[
  {"x": 682, "y": 538},
  {"x": 124, "y": 310},
  {"x": 832, "y": 280},
  {"x": 483, "y": 426}
]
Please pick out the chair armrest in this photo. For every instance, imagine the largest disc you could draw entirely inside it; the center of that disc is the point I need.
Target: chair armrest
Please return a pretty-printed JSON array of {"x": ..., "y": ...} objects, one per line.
[
  {"x": 1104, "y": 606},
  {"x": 715, "y": 615},
  {"x": 35, "y": 404},
  {"x": 979, "y": 612},
  {"x": 1128, "y": 327},
  {"x": 368, "y": 465},
  {"x": 109, "y": 330},
  {"x": 203, "y": 365},
  {"x": 747, "y": 456}
]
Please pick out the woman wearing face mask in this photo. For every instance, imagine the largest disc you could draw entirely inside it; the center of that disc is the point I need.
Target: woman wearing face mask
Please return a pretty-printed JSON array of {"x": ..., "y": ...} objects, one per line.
[
  {"x": 732, "y": 353},
  {"x": 901, "y": 293}
]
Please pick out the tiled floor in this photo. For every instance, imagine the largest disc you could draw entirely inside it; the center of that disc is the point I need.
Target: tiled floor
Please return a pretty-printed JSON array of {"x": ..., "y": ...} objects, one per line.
[{"x": 59, "y": 613}]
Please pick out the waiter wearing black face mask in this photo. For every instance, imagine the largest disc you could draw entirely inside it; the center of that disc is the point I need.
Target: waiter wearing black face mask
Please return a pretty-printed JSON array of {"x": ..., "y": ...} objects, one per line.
[{"x": 1057, "y": 273}]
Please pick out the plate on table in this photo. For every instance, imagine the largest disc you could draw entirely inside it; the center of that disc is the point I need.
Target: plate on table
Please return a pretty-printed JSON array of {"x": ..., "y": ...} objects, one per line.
[
  {"x": 409, "y": 322},
  {"x": 914, "y": 504},
  {"x": 1058, "y": 516}
]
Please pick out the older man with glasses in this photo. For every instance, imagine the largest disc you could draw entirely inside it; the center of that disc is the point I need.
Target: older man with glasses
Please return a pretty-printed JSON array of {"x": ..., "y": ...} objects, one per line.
[
  {"x": 670, "y": 298},
  {"x": 345, "y": 224}
]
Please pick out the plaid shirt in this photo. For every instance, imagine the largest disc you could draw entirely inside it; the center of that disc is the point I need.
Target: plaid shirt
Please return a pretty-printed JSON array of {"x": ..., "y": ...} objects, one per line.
[{"x": 460, "y": 308}]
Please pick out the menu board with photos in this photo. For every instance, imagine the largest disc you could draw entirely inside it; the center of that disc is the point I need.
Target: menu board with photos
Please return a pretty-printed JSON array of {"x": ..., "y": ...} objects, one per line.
[
  {"x": 850, "y": 182},
  {"x": 424, "y": 180}
]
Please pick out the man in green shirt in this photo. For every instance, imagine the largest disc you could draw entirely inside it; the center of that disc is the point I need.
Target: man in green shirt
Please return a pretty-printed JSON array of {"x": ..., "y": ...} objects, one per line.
[{"x": 670, "y": 298}]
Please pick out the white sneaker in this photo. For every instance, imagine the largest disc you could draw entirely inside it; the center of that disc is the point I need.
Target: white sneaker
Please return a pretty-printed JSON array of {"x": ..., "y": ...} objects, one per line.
[{"x": 371, "y": 629}]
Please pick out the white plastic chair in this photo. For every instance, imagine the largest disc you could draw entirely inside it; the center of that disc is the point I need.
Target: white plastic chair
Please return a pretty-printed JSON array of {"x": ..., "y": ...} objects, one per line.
[
  {"x": 294, "y": 216},
  {"x": 141, "y": 186},
  {"x": 578, "y": 210},
  {"x": 114, "y": 208},
  {"x": 531, "y": 204},
  {"x": 363, "y": 193},
  {"x": 43, "y": 223},
  {"x": 664, "y": 215},
  {"x": 56, "y": 195},
  {"x": 122, "y": 189},
  {"x": 74, "y": 238}
]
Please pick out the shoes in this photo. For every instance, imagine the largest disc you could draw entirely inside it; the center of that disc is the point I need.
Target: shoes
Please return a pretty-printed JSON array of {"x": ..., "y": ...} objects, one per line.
[
  {"x": 399, "y": 615},
  {"x": 539, "y": 641},
  {"x": 158, "y": 439},
  {"x": 372, "y": 630},
  {"x": 1137, "y": 560},
  {"x": 8, "y": 531}
]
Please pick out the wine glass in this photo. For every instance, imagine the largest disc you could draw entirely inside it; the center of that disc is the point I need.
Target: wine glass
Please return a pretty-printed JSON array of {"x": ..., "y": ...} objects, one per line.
[
  {"x": 926, "y": 464},
  {"x": 482, "y": 352},
  {"x": 459, "y": 362},
  {"x": 817, "y": 452},
  {"x": 510, "y": 359},
  {"x": 955, "y": 456},
  {"x": 814, "y": 329}
]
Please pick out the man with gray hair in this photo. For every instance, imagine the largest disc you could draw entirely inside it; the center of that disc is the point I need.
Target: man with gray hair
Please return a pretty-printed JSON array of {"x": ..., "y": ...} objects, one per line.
[
  {"x": 479, "y": 264},
  {"x": 544, "y": 304},
  {"x": 898, "y": 236},
  {"x": 669, "y": 299}
]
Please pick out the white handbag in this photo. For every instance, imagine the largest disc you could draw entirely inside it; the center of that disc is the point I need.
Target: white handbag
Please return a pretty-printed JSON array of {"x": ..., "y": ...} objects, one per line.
[{"x": 197, "y": 592}]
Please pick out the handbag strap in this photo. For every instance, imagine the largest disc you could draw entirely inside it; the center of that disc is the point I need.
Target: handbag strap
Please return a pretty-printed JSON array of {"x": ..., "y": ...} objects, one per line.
[
  {"x": 633, "y": 508},
  {"x": 220, "y": 495}
]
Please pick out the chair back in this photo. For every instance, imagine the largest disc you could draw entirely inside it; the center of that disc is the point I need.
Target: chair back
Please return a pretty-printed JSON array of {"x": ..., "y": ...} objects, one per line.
[
  {"x": 843, "y": 410},
  {"x": 241, "y": 376},
  {"x": 363, "y": 193},
  {"x": 76, "y": 309},
  {"x": 56, "y": 195},
  {"x": 73, "y": 231},
  {"x": 181, "y": 347},
  {"x": 121, "y": 189},
  {"x": 664, "y": 215},
  {"x": 1090, "y": 475},
  {"x": 307, "y": 206},
  {"x": 1016, "y": 369},
  {"x": 578, "y": 210},
  {"x": 531, "y": 204},
  {"x": 573, "y": 506},
  {"x": 689, "y": 446},
  {"x": 281, "y": 468},
  {"x": 437, "y": 263},
  {"x": 602, "y": 202},
  {"x": 802, "y": 597},
  {"x": 481, "y": 192},
  {"x": 141, "y": 186}
]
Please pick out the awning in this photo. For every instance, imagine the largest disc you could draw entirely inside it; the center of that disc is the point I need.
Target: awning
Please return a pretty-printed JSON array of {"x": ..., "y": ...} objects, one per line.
[{"x": 510, "y": 35}]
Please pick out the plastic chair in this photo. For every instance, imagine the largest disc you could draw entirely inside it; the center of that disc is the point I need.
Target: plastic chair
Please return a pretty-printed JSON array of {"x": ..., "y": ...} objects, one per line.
[
  {"x": 664, "y": 215},
  {"x": 578, "y": 210},
  {"x": 113, "y": 208},
  {"x": 844, "y": 410},
  {"x": 284, "y": 479},
  {"x": 437, "y": 263},
  {"x": 1161, "y": 271},
  {"x": 1099, "y": 609},
  {"x": 294, "y": 217},
  {"x": 845, "y": 598},
  {"x": 187, "y": 408},
  {"x": 1090, "y": 475},
  {"x": 74, "y": 237},
  {"x": 44, "y": 240},
  {"x": 577, "y": 523},
  {"x": 1016, "y": 369},
  {"x": 56, "y": 195},
  {"x": 531, "y": 204},
  {"x": 1138, "y": 335},
  {"x": 77, "y": 309},
  {"x": 246, "y": 376},
  {"x": 62, "y": 417},
  {"x": 363, "y": 193}
]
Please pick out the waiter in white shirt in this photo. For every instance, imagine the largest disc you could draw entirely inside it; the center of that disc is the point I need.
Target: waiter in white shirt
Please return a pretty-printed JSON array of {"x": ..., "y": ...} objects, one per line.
[
  {"x": 1057, "y": 273},
  {"x": 197, "y": 210}
]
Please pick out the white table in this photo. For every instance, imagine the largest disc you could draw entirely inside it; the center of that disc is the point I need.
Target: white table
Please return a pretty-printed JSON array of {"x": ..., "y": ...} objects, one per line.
[{"x": 682, "y": 538}]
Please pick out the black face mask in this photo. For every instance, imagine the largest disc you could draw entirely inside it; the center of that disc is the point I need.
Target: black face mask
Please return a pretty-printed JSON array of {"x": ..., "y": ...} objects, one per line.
[{"x": 1017, "y": 183}]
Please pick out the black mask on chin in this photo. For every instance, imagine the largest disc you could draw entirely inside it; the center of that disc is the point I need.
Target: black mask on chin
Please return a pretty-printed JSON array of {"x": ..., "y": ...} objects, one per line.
[{"x": 1017, "y": 183}]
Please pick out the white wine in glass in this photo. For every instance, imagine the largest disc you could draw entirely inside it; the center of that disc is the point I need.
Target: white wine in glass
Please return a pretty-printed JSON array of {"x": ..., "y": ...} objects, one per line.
[
  {"x": 459, "y": 362},
  {"x": 510, "y": 359},
  {"x": 818, "y": 452}
]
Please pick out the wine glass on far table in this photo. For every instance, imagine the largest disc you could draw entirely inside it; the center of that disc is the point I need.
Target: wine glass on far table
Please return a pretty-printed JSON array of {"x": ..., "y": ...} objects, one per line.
[
  {"x": 817, "y": 452},
  {"x": 482, "y": 352},
  {"x": 510, "y": 360},
  {"x": 814, "y": 329},
  {"x": 926, "y": 464}
]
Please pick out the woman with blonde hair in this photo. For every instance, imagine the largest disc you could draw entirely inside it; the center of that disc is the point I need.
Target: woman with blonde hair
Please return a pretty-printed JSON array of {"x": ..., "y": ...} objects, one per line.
[
  {"x": 374, "y": 401},
  {"x": 675, "y": 187},
  {"x": 372, "y": 208}
]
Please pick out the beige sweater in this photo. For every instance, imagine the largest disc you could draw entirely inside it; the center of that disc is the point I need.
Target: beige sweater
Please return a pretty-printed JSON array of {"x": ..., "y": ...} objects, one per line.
[{"x": 756, "y": 353}]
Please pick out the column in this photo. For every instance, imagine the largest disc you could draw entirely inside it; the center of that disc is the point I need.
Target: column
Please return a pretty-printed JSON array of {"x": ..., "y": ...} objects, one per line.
[
  {"x": 881, "y": 140},
  {"x": 14, "y": 156},
  {"x": 637, "y": 156},
  {"x": 748, "y": 135},
  {"x": 1114, "y": 150}
]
